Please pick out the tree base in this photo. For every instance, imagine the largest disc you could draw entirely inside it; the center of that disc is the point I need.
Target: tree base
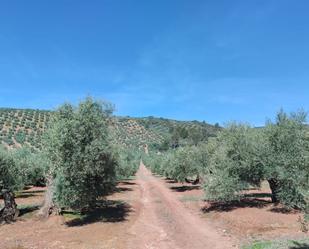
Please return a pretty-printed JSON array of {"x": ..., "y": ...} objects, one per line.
[{"x": 9, "y": 212}]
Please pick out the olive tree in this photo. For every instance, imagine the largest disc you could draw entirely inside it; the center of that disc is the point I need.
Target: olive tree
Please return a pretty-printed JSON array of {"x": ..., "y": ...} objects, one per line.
[
  {"x": 186, "y": 164},
  {"x": 10, "y": 180},
  {"x": 128, "y": 162},
  {"x": 233, "y": 163},
  {"x": 31, "y": 164},
  {"x": 241, "y": 156},
  {"x": 286, "y": 159},
  {"x": 154, "y": 161},
  {"x": 83, "y": 162}
]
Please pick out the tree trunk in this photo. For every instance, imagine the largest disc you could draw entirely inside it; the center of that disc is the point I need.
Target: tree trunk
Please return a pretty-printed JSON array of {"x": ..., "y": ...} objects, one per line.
[
  {"x": 146, "y": 149},
  {"x": 197, "y": 180},
  {"x": 274, "y": 186},
  {"x": 187, "y": 180},
  {"x": 9, "y": 212},
  {"x": 48, "y": 205}
]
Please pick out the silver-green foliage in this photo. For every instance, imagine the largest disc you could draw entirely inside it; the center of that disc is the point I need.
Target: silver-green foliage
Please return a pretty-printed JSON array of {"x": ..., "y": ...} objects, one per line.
[
  {"x": 241, "y": 156},
  {"x": 78, "y": 146},
  {"x": 10, "y": 175},
  {"x": 185, "y": 163},
  {"x": 180, "y": 164},
  {"x": 31, "y": 164},
  {"x": 286, "y": 158},
  {"x": 233, "y": 163},
  {"x": 128, "y": 162},
  {"x": 155, "y": 161}
]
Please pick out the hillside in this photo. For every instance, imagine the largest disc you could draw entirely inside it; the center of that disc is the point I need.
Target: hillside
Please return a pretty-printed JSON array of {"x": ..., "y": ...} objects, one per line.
[
  {"x": 165, "y": 126},
  {"x": 20, "y": 127},
  {"x": 129, "y": 132}
]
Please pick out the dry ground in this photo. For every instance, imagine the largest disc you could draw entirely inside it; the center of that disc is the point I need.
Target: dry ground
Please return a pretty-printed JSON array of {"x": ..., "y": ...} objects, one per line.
[
  {"x": 151, "y": 212},
  {"x": 254, "y": 217}
]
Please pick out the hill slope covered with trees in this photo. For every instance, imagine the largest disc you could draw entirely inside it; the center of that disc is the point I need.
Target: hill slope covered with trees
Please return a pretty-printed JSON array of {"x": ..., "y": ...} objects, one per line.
[{"x": 19, "y": 127}]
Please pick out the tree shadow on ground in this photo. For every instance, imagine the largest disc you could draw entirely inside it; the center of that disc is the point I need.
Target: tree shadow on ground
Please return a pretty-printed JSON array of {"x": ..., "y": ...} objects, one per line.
[
  {"x": 106, "y": 211},
  {"x": 34, "y": 191},
  {"x": 27, "y": 209},
  {"x": 27, "y": 187},
  {"x": 167, "y": 180},
  {"x": 284, "y": 210},
  {"x": 232, "y": 205},
  {"x": 258, "y": 195},
  {"x": 184, "y": 188},
  {"x": 24, "y": 195},
  {"x": 298, "y": 245},
  {"x": 27, "y": 194},
  {"x": 122, "y": 189},
  {"x": 127, "y": 183}
]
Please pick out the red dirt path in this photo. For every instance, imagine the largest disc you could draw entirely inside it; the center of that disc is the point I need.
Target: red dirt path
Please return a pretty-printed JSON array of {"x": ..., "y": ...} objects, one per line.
[{"x": 165, "y": 223}]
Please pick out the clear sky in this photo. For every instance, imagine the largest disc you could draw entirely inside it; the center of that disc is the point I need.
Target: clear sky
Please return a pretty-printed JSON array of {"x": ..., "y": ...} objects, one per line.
[{"x": 212, "y": 60}]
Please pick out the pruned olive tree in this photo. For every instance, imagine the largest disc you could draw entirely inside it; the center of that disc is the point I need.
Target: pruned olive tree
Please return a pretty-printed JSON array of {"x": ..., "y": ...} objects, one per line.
[
  {"x": 233, "y": 163},
  {"x": 286, "y": 159},
  {"x": 82, "y": 160},
  {"x": 186, "y": 164},
  {"x": 241, "y": 156}
]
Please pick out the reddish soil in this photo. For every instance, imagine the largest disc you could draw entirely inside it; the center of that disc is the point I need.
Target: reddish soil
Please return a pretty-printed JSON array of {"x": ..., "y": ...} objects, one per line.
[
  {"x": 254, "y": 217},
  {"x": 150, "y": 212},
  {"x": 104, "y": 231},
  {"x": 30, "y": 197},
  {"x": 165, "y": 223}
]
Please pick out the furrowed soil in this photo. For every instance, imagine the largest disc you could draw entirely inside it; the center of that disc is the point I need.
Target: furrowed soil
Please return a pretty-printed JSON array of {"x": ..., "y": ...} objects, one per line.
[{"x": 149, "y": 213}]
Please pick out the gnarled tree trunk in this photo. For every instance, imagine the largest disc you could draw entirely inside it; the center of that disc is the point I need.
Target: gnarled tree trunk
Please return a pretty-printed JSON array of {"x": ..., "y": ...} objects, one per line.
[
  {"x": 9, "y": 212},
  {"x": 197, "y": 180},
  {"x": 48, "y": 205},
  {"x": 274, "y": 186},
  {"x": 187, "y": 180}
]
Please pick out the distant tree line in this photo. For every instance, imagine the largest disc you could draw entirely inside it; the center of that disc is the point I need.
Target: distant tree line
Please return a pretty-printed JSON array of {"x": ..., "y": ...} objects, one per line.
[{"x": 183, "y": 136}]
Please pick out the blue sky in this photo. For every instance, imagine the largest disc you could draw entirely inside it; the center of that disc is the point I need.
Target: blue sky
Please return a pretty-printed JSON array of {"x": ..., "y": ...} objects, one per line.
[{"x": 184, "y": 59}]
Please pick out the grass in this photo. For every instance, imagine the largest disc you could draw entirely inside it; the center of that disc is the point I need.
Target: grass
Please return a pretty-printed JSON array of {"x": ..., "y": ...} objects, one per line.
[
  {"x": 190, "y": 198},
  {"x": 71, "y": 215},
  {"x": 259, "y": 245},
  {"x": 279, "y": 244}
]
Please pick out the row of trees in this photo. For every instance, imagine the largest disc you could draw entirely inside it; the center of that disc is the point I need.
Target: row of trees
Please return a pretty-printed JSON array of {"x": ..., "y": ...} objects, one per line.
[
  {"x": 241, "y": 156},
  {"x": 79, "y": 161}
]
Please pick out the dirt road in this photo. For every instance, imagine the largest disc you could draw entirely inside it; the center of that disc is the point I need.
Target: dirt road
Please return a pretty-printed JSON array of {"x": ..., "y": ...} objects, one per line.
[
  {"x": 164, "y": 223},
  {"x": 142, "y": 214}
]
